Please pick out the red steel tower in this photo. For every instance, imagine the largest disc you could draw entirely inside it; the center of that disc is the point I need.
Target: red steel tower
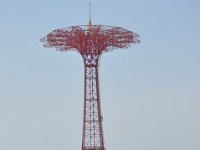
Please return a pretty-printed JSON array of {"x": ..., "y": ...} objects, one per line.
[{"x": 91, "y": 41}]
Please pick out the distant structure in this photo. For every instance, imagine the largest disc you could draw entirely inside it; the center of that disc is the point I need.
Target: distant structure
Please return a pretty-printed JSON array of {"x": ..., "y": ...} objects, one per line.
[{"x": 91, "y": 41}]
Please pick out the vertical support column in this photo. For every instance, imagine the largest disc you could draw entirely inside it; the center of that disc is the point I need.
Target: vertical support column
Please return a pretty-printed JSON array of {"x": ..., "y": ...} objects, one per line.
[{"x": 92, "y": 138}]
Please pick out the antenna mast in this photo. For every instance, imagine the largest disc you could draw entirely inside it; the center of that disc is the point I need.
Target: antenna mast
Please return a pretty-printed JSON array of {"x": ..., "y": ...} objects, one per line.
[{"x": 90, "y": 16}]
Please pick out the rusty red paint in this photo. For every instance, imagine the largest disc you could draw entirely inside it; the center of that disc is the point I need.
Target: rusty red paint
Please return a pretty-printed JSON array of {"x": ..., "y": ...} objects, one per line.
[{"x": 91, "y": 41}]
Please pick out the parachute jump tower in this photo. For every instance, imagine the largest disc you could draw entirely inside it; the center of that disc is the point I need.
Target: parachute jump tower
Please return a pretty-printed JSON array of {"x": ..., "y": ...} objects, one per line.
[{"x": 91, "y": 41}]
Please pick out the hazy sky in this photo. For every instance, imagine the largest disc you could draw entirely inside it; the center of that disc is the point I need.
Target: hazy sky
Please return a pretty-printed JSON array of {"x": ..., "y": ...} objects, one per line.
[{"x": 150, "y": 93}]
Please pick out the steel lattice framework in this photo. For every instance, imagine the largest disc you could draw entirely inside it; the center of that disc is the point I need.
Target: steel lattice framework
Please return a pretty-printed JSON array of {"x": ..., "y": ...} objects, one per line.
[{"x": 91, "y": 41}]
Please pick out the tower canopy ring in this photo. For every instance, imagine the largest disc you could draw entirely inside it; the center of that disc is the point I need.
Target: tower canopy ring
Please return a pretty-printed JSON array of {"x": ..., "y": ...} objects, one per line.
[{"x": 90, "y": 39}]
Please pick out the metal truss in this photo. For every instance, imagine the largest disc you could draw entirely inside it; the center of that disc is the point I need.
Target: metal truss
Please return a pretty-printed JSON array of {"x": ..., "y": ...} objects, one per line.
[
  {"x": 91, "y": 41},
  {"x": 98, "y": 38},
  {"x": 92, "y": 119}
]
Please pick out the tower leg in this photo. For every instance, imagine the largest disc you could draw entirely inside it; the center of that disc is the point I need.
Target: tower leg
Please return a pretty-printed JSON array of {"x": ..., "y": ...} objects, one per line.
[{"x": 92, "y": 138}]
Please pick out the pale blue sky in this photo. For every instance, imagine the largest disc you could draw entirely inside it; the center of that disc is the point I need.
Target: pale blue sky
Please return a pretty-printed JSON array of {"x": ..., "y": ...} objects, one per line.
[{"x": 150, "y": 93}]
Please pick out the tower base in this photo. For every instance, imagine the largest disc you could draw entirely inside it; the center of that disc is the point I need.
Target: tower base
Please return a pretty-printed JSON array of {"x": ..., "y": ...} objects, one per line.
[{"x": 94, "y": 148}]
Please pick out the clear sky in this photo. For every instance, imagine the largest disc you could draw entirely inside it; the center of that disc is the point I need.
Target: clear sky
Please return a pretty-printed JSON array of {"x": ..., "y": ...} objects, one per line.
[{"x": 150, "y": 93}]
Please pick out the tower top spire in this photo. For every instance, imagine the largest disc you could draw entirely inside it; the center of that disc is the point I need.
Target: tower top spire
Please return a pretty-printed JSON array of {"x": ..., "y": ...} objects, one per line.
[{"x": 90, "y": 15}]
